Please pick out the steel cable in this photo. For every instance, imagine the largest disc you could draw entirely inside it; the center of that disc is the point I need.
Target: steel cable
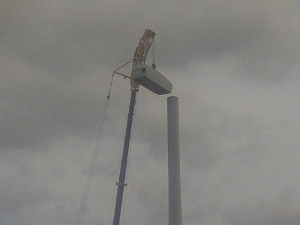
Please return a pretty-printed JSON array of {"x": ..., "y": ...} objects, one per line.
[{"x": 92, "y": 167}]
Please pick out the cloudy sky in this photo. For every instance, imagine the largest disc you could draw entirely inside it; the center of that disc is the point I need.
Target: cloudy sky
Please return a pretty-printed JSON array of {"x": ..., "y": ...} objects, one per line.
[{"x": 235, "y": 68}]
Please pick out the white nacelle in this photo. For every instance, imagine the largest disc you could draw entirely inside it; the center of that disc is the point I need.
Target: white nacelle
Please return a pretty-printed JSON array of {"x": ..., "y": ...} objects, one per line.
[{"x": 152, "y": 80}]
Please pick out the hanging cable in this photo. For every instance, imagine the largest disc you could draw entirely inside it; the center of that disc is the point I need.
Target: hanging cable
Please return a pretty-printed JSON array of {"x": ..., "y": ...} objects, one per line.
[
  {"x": 92, "y": 167},
  {"x": 153, "y": 54}
]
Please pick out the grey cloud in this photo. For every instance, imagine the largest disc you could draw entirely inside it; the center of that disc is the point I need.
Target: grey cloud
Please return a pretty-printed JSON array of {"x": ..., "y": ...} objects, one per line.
[
  {"x": 233, "y": 65},
  {"x": 264, "y": 212},
  {"x": 36, "y": 107}
]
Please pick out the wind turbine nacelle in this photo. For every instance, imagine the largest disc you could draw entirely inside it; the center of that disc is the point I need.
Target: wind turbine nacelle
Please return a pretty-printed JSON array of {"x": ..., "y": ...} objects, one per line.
[{"x": 152, "y": 80}]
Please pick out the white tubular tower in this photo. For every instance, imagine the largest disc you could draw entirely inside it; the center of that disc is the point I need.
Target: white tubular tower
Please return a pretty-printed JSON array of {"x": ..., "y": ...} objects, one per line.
[{"x": 175, "y": 211}]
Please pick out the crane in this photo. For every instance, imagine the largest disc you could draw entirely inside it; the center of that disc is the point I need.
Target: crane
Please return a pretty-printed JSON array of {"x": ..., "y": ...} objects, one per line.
[
  {"x": 141, "y": 52},
  {"x": 139, "y": 58}
]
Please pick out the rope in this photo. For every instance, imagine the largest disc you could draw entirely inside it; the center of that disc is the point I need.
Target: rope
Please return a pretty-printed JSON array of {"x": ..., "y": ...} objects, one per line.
[
  {"x": 153, "y": 54},
  {"x": 92, "y": 167},
  {"x": 153, "y": 51},
  {"x": 123, "y": 65}
]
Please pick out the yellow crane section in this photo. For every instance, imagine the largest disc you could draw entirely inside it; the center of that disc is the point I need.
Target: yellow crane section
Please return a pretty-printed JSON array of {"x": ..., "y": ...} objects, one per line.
[{"x": 140, "y": 54}]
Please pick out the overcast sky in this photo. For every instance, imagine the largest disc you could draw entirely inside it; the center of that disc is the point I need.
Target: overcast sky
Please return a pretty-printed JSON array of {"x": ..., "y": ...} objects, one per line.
[{"x": 235, "y": 68}]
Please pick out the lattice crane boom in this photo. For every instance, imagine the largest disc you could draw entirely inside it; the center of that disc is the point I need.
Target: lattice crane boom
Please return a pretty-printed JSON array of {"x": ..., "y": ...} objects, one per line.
[{"x": 141, "y": 52}]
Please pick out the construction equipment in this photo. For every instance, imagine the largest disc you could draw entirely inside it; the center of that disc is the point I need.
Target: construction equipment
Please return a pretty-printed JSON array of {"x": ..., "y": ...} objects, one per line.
[
  {"x": 141, "y": 52},
  {"x": 151, "y": 79},
  {"x": 138, "y": 59}
]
